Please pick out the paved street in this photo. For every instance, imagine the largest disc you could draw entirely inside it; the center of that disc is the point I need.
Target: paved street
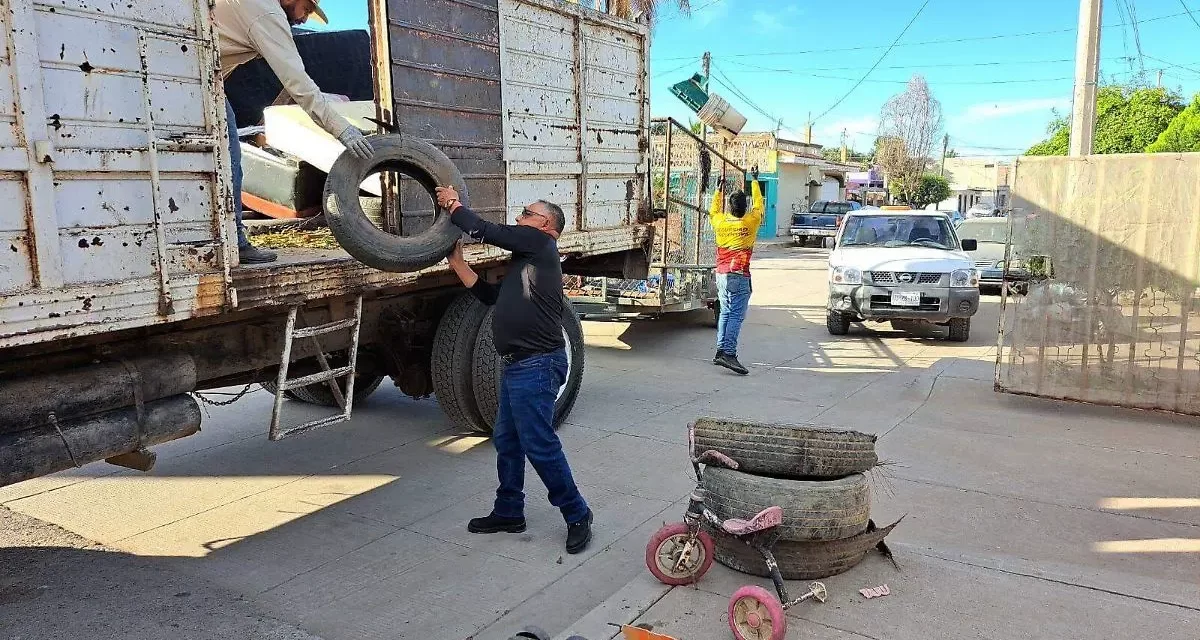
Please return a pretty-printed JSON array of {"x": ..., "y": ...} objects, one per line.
[{"x": 1023, "y": 518}]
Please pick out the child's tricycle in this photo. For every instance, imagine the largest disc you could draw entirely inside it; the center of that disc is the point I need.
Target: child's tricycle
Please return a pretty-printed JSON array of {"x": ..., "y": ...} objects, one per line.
[{"x": 681, "y": 553}]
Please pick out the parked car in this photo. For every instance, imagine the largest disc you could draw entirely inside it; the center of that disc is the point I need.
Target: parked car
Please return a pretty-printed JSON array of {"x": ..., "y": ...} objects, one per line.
[
  {"x": 821, "y": 220},
  {"x": 991, "y": 235},
  {"x": 982, "y": 210},
  {"x": 904, "y": 266}
]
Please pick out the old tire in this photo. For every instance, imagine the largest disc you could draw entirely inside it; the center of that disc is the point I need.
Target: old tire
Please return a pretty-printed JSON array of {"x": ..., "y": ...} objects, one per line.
[
  {"x": 960, "y": 330},
  {"x": 837, "y": 322},
  {"x": 488, "y": 369},
  {"x": 453, "y": 360},
  {"x": 355, "y": 231},
  {"x": 320, "y": 394},
  {"x": 796, "y": 560},
  {"x": 812, "y": 509},
  {"x": 788, "y": 451}
]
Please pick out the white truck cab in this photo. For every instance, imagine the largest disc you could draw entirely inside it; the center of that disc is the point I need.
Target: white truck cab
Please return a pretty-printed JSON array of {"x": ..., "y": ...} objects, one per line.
[{"x": 904, "y": 266}]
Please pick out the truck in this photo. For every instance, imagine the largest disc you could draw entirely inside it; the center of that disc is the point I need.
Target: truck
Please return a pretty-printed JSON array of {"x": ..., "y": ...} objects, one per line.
[
  {"x": 121, "y": 300},
  {"x": 822, "y": 220}
]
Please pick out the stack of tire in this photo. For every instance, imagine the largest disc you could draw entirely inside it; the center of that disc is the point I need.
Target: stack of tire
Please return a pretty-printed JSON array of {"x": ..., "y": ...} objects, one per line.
[{"x": 816, "y": 475}]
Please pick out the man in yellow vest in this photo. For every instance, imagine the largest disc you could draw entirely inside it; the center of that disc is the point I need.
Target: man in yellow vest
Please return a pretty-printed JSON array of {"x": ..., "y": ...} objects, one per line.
[{"x": 735, "y": 232}]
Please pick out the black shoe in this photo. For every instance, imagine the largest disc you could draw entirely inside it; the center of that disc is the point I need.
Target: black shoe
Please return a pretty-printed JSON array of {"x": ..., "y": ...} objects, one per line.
[
  {"x": 579, "y": 534},
  {"x": 493, "y": 523},
  {"x": 251, "y": 254},
  {"x": 730, "y": 361},
  {"x": 717, "y": 358}
]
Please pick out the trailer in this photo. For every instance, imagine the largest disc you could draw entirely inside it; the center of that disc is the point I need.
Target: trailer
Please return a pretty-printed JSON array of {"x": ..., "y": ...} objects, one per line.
[{"x": 120, "y": 296}]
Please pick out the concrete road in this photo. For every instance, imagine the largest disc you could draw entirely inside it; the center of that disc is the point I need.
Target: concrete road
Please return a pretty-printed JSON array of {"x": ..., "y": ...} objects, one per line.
[{"x": 1024, "y": 518}]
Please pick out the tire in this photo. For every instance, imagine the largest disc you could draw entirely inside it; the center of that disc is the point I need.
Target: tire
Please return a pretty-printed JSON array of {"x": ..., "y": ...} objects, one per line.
[
  {"x": 355, "y": 231},
  {"x": 802, "y": 241},
  {"x": 672, "y": 534},
  {"x": 753, "y": 612},
  {"x": 960, "y": 330},
  {"x": 453, "y": 359},
  {"x": 801, "y": 560},
  {"x": 788, "y": 451},
  {"x": 812, "y": 509},
  {"x": 489, "y": 369},
  {"x": 837, "y": 322},
  {"x": 271, "y": 388},
  {"x": 319, "y": 393}
]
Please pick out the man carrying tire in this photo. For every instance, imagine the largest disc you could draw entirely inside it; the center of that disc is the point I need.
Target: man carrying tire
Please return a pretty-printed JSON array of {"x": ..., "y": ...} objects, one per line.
[
  {"x": 247, "y": 29},
  {"x": 735, "y": 236},
  {"x": 528, "y": 334}
]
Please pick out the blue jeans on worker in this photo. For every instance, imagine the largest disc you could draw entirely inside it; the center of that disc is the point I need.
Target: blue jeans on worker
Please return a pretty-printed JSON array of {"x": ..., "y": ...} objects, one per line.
[
  {"x": 525, "y": 429},
  {"x": 235, "y": 163},
  {"x": 733, "y": 293}
]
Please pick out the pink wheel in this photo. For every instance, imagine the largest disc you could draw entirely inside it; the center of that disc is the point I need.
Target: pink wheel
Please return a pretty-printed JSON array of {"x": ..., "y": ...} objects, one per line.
[
  {"x": 755, "y": 614},
  {"x": 676, "y": 558}
]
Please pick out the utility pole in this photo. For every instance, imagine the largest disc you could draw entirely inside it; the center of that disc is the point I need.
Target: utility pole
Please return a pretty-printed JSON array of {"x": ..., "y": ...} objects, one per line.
[
  {"x": 843, "y": 146},
  {"x": 808, "y": 130},
  {"x": 706, "y": 66},
  {"x": 1087, "y": 63},
  {"x": 1160, "y": 78},
  {"x": 945, "y": 147}
]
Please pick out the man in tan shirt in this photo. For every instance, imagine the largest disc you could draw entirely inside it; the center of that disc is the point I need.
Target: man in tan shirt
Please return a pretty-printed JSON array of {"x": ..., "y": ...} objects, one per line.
[{"x": 247, "y": 29}]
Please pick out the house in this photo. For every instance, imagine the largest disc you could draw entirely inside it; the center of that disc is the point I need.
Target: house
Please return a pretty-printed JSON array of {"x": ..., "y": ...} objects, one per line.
[{"x": 977, "y": 180}]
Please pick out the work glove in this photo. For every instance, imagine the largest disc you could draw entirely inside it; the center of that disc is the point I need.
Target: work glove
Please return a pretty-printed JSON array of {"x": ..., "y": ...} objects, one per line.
[
  {"x": 356, "y": 143},
  {"x": 754, "y": 171}
]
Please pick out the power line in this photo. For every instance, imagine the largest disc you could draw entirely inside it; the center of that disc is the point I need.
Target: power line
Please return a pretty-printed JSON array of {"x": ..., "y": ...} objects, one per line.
[
  {"x": 889, "y": 81},
  {"x": 998, "y": 63},
  {"x": 1188, "y": 13},
  {"x": 680, "y": 67},
  {"x": 877, "y": 63}
]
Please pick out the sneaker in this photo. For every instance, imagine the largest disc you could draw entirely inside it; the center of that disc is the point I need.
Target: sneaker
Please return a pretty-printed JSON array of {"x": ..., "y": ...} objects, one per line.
[
  {"x": 493, "y": 523},
  {"x": 579, "y": 534},
  {"x": 717, "y": 358},
  {"x": 730, "y": 361},
  {"x": 251, "y": 254}
]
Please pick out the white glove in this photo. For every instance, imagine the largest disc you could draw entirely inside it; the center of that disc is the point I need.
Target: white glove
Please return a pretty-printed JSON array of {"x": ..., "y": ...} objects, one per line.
[{"x": 355, "y": 143}]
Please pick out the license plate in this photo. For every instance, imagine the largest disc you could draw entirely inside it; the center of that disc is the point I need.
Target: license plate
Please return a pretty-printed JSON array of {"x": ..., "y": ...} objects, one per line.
[{"x": 906, "y": 298}]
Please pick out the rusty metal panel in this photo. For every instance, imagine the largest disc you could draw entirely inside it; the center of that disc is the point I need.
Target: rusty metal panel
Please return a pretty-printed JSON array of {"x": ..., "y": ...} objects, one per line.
[
  {"x": 112, "y": 135},
  {"x": 576, "y": 109},
  {"x": 1113, "y": 314},
  {"x": 445, "y": 85}
]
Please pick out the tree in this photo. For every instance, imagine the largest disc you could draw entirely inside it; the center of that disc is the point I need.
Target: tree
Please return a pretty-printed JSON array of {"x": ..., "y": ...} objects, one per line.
[
  {"x": 647, "y": 9},
  {"x": 910, "y": 125},
  {"x": 1128, "y": 120},
  {"x": 928, "y": 189},
  {"x": 1183, "y": 134}
]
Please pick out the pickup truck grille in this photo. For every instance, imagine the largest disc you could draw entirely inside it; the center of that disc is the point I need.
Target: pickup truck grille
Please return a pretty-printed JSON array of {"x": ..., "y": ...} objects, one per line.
[
  {"x": 891, "y": 277},
  {"x": 885, "y": 302},
  {"x": 985, "y": 264}
]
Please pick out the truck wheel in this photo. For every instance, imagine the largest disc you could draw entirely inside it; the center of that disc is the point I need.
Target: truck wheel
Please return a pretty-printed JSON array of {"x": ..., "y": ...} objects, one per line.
[
  {"x": 812, "y": 509},
  {"x": 453, "y": 350},
  {"x": 319, "y": 392},
  {"x": 837, "y": 322},
  {"x": 801, "y": 241},
  {"x": 960, "y": 329},
  {"x": 489, "y": 369},
  {"x": 355, "y": 231},
  {"x": 788, "y": 451}
]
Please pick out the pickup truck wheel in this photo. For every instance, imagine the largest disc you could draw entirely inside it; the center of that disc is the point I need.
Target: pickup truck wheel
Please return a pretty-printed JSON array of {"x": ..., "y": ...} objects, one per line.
[
  {"x": 837, "y": 322},
  {"x": 354, "y": 230},
  {"x": 489, "y": 368},
  {"x": 453, "y": 360},
  {"x": 960, "y": 329},
  {"x": 801, "y": 241},
  {"x": 812, "y": 509}
]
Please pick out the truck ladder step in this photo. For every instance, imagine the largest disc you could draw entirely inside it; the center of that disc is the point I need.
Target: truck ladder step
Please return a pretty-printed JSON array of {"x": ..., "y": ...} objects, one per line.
[
  {"x": 321, "y": 329},
  {"x": 320, "y": 376}
]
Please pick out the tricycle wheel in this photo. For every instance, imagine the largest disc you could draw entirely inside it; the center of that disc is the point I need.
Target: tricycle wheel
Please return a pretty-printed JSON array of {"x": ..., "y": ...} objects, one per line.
[
  {"x": 755, "y": 614},
  {"x": 676, "y": 558}
]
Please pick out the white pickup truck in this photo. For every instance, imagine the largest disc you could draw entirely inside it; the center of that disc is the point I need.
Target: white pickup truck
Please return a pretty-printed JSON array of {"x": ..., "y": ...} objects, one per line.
[{"x": 902, "y": 266}]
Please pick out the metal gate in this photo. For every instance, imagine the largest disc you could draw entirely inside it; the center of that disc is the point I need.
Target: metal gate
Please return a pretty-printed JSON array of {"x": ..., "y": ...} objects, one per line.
[{"x": 1112, "y": 315}]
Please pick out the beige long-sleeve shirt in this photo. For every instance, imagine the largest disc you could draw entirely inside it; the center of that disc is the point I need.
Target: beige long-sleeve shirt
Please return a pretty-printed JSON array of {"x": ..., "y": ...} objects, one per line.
[{"x": 247, "y": 29}]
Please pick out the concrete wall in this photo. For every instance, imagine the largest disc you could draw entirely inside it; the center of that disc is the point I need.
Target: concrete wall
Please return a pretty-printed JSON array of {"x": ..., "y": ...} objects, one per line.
[
  {"x": 793, "y": 194},
  {"x": 1118, "y": 320}
]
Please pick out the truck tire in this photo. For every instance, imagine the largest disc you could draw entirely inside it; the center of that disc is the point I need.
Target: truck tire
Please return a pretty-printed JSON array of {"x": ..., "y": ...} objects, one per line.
[
  {"x": 802, "y": 560},
  {"x": 788, "y": 451},
  {"x": 453, "y": 360},
  {"x": 489, "y": 369},
  {"x": 354, "y": 230},
  {"x": 837, "y": 322},
  {"x": 812, "y": 509},
  {"x": 802, "y": 241},
  {"x": 320, "y": 394},
  {"x": 960, "y": 330}
]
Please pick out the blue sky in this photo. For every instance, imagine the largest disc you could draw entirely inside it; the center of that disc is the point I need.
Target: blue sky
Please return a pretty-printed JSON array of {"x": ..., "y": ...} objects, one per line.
[{"x": 793, "y": 57}]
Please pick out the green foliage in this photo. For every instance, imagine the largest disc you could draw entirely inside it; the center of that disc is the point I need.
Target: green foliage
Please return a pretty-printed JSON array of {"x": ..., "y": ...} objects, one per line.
[
  {"x": 1128, "y": 120},
  {"x": 1183, "y": 134},
  {"x": 928, "y": 189}
]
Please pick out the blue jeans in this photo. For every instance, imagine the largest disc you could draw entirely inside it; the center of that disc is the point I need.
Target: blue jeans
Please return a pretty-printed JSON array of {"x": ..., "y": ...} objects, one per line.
[
  {"x": 235, "y": 163},
  {"x": 733, "y": 292},
  {"x": 525, "y": 429}
]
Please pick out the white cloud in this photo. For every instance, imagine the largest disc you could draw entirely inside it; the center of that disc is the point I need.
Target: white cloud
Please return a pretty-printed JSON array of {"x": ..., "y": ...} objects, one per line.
[
  {"x": 985, "y": 111},
  {"x": 765, "y": 21}
]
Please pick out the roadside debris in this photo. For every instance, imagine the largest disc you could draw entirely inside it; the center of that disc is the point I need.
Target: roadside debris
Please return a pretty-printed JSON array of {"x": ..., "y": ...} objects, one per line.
[{"x": 875, "y": 592}]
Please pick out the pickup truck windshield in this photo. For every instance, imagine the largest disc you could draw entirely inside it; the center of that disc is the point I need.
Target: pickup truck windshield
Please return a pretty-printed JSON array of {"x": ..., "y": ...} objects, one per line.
[
  {"x": 993, "y": 230},
  {"x": 898, "y": 231}
]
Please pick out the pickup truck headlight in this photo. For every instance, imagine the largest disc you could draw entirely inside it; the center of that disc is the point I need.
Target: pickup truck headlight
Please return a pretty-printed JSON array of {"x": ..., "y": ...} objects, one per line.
[
  {"x": 845, "y": 275},
  {"x": 963, "y": 278}
]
